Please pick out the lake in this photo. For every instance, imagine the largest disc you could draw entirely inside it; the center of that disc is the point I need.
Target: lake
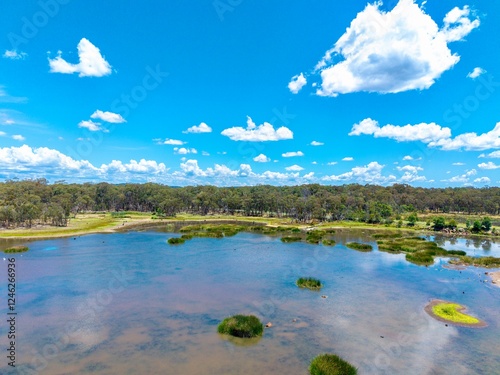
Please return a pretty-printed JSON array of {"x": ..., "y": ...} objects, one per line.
[{"x": 130, "y": 303}]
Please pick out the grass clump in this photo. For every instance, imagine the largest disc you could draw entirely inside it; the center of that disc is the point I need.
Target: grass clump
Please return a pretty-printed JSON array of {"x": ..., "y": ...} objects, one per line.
[
  {"x": 315, "y": 236},
  {"x": 176, "y": 240},
  {"x": 452, "y": 312},
  {"x": 16, "y": 249},
  {"x": 309, "y": 283},
  {"x": 421, "y": 258},
  {"x": 288, "y": 239},
  {"x": 331, "y": 364},
  {"x": 245, "y": 326},
  {"x": 457, "y": 252},
  {"x": 359, "y": 246},
  {"x": 329, "y": 242},
  {"x": 478, "y": 262}
]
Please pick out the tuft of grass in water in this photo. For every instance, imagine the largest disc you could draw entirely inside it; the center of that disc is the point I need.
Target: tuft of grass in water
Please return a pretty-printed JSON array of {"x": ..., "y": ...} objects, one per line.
[
  {"x": 245, "y": 326},
  {"x": 451, "y": 312},
  {"x": 315, "y": 236},
  {"x": 331, "y": 364},
  {"x": 16, "y": 249},
  {"x": 288, "y": 239},
  {"x": 309, "y": 283},
  {"x": 420, "y": 258},
  {"x": 359, "y": 246},
  {"x": 329, "y": 242},
  {"x": 457, "y": 252},
  {"x": 478, "y": 262},
  {"x": 176, "y": 240}
]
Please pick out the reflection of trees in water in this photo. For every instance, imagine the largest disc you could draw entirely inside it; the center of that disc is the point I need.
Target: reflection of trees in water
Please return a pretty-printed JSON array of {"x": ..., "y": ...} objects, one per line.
[
  {"x": 486, "y": 245},
  {"x": 453, "y": 241},
  {"x": 439, "y": 240}
]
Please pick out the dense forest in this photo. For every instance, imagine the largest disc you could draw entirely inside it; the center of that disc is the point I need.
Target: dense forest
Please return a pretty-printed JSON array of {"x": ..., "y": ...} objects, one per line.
[{"x": 24, "y": 203}]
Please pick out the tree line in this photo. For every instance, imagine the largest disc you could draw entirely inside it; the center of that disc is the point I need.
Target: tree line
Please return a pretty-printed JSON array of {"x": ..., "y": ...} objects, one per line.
[{"x": 24, "y": 203}]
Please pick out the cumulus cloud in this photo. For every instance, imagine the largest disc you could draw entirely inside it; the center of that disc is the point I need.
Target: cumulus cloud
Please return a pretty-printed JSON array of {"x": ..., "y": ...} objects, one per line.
[
  {"x": 408, "y": 157},
  {"x": 316, "y": 143},
  {"x": 185, "y": 151},
  {"x": 261, "y": 159},
  {"x": 91, "y": 62},
  {"x": 390, "y": 52},
  {"x": 254, "y": 133},
  {"x": 488, "y": 165},
  {"x": 18, "y": 137},
  {"x": 482, "y": 180},
  {"x": 110, "y": 117},
  {"x": 458, "y": 164},
  {"x": 332, "y": 163},
  {"x": 14, "y": 55},
  {"x": 90, "y": 125},
  {"x": 292, "y": 154},
  {"x": 470, "y": 141},
  {"x": 168, "y": 141},
  {"x": 297, "y": 82},
  {"x": 464, "y": 178},
  {"x": 294, "y": 168},
  {"x": 348, "y": 158},
  {"x": 410, "y": 173},
  {"x": 421, "y": 132},
  {"x": 202, "y": 128},
  {"x": 476, "y": 73},
  {"x": 368, "y": 174},
  {"x": 493, "y": 155}
]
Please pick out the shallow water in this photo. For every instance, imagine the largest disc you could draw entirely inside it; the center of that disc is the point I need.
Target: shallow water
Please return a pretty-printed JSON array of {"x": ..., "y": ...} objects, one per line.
[{"x": 132, "y": 304}]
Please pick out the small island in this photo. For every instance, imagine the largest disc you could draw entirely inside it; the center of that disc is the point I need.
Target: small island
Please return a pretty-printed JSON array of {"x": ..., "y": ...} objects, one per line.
[
  {"x": 452, "y": 313},
  {"x": 359, "y": 246},
  {"x": 244, "y": 326},
  {"x": 176, "y": 240},
  {"x": 309, "y": 283},
  {"x": 16, "y": 249},
  {"x": 331, "y": 364}
]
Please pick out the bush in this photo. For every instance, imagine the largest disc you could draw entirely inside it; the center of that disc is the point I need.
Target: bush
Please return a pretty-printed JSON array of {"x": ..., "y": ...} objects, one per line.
[
  {"x": 359, "y": 246},
  {"x": 439, "y": 223},
  {"x": 245, "y": 326},
  {"x": 16, "y": 249},
  {"x": 331, "y": 364},
  {"x": 457, "y": 252},
  {"x": 176, "y": 240},
  {"x": 309, "y": 283},
  {"x": 288, "y": 239},
  {"x": 329, "y": 242}
]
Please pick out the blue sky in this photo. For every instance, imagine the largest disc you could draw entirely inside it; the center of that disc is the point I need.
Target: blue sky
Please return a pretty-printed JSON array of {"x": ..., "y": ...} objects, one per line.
[{"x": 234, "y": 92}]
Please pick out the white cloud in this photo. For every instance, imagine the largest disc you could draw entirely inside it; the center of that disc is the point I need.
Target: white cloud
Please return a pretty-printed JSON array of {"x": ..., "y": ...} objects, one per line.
[
  {"x": 292, "y": 154},
  {"x": 482, "y": 180},
  {"x": 493, "y": 155},
  {"x": 476, "y": 73},
  {"x": 261, "y": 159},
  {"x": 470, "y": 141},
  {"x": 297, "y": 82},
  {"x": 90, "y": 125},
  {"x": 184, "y": 151},
  {"x": 464, "y": 178},
  {"x": 368, "y": 174},
  {"x": 409, "y": 168},
  {"x": 458, "y": 164},
  {"x": 18, "y": 137},
  {"x": 420, "y": 132},
  {"x": 410, "y": 173},
  {"x": 91, "y": 64},
  {"x": 294, "y": 168},
  {"x": 202, "y": 128},
  {"x": 309, "y": 176},
  {"x": 395, "y": 51},
  {"x": 111, "y": 117},
  {"x": 314, "y": 162},
  {"x": 6, "y": 98},
  {"x": 2, "y": 134},
  {"x": 332, "y": 163},
  {"x": 14, "y": 55},
  {"x": 408, "y": 157},
  {"x": 173, "y": 142},
  {"x": 316, "y": 143},
  {"x": 204, "y": 153},
  {"x": 488, "y": 165},
  {"x": 261, "y": 133},
  {"x": 348, "y": 158}
]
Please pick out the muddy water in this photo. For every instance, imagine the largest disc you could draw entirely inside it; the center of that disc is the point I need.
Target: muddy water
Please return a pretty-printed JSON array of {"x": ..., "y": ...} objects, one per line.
[{"x": 132, "y": 304}]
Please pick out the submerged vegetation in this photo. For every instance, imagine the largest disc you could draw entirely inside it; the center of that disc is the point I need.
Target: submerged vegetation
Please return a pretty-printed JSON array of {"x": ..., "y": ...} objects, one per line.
[
  {"x": 289, "y": 239},
  {"x": 16, "y": 249},
  {"x": 328, "y": 242},
  {"x": 359, "y": 246},
  {"x": 176, "y": 240},
  {"x": 331, "y": 364},
  {"x": 309, "y": 283},
  {"x": 478, "y": 262},
  {"x": 245, "y": 326}
]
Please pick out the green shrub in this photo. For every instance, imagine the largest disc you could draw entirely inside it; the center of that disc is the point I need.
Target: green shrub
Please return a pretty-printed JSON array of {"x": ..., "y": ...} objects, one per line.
[
  {"x": 331, "y": 364},
  {"x": 359, "y": 246},
  {"x": 329, "y": 242},
  {"x": 421, "y": 258},
  {"x": 457, "y": 252},
  {"x": 245, "y": 326},
  {"x": 16, "y": 249},
  {"x": 288, "y": 239},
  {"x": 309, "y": 283},
  {"x": 176, "y": 240}
]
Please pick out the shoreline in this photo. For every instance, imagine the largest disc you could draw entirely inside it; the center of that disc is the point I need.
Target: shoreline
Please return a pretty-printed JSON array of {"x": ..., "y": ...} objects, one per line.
[
  {"x": 462, "y": 309},
  {"x": 495, "y": 278}
]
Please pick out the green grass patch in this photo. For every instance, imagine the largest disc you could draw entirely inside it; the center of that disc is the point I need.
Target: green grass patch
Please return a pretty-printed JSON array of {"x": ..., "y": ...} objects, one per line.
[
  {"x": 309, "y": 283},
  {"x": 245, "y": 326},
  {"x": 16, "y": 249},
  {"x": 359, "y": 246},
  {"x": 420, "y": 258},
  {"x": 457, "y": 252},
  {"x": 329, "y": 242},
  {"x": 478, "y": 262},
  {"x": 176, "y": 240},
  {"x": 289, "y": 239},
  {"x": 451, "y": 312},
  {"x": 331, "y": 364}
]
